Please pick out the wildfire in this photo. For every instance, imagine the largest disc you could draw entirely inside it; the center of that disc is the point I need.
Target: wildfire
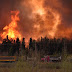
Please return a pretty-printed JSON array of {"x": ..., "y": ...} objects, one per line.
[
  {"x": 57, "y": 21},
  {"x": 50, "y": 24},
  {"x": 10, "y": 30},
  {"x": 37, "y": 7},
  {"x": 41, "y": 19}
]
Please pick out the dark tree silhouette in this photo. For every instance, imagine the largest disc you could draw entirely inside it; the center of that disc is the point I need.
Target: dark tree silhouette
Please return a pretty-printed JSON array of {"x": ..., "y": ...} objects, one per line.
[
  {"x": 13, "y": 48},
  {"x": 17, "y": 45},
  {"x": 6, "y": 45},
  {"x": 44, "y": 45},
  {"x": 23, "y": 44},
  {"x": 30, "y": 44}
]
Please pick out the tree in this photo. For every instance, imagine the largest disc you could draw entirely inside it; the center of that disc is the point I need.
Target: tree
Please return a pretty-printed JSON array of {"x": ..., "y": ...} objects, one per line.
[
  {"x": 23, "y": 43},
  {"x": 17, "y": 45},
  {"x": 30, "y": 44}
]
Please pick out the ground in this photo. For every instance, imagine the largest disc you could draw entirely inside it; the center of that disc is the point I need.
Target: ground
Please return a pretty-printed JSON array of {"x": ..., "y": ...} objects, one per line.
[{"x": 35, "y": 66}]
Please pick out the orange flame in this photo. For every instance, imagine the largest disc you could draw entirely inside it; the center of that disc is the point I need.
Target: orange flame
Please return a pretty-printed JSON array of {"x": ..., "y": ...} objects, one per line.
[{"x": 10, "y": 30}]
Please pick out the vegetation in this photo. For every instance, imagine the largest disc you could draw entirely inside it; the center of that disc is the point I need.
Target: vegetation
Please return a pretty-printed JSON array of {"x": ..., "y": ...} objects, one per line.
[
  {"x": 37, "y": 66},
  {"x": 44, "y": 46},
  {"x": 36, "y": 50}
]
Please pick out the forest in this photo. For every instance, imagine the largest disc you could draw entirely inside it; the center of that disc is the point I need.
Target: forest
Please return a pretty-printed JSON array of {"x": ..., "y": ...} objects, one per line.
[{"x": 44, "y": 46}]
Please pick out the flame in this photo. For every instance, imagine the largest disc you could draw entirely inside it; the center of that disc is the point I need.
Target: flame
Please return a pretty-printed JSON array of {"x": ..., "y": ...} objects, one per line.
[
  {"x": 10, "y": 30},
  {"x": 45, "y": 20}
]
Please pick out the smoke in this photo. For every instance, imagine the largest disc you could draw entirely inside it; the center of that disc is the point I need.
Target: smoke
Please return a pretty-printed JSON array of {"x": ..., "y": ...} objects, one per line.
[
  {"x": 38, "y": 18},
  {"x": 65, "y": 29}
]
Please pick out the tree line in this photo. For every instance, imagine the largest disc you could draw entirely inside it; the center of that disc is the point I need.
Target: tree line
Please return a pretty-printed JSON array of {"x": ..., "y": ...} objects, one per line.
[{"x": 44, "y": 46}]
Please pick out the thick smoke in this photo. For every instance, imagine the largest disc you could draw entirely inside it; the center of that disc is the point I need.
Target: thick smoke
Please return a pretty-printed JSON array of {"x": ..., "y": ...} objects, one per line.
[
  {"x": 28, "y": 21},
  {"x": 65, "y": 29}
]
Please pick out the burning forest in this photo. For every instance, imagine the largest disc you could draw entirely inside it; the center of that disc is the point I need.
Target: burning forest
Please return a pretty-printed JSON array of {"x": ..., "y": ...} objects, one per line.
[
  {"x": 10, "y": 30},
  {"x": 33, "y": 18},
  {"x": 36, "y": 35},
  {"x": 35, "y": 32}
]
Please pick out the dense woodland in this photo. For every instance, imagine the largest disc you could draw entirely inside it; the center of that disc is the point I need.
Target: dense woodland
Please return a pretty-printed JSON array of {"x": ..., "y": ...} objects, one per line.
[{"x": 44, "y": 46}]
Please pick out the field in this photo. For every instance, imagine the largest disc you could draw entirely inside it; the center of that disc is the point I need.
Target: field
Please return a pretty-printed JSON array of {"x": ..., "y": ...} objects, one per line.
[{"x": 36, "y": 66}]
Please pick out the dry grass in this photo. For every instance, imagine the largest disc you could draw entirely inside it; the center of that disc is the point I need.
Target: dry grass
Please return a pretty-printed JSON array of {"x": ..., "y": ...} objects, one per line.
[{"x": 36, "y": 66}]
